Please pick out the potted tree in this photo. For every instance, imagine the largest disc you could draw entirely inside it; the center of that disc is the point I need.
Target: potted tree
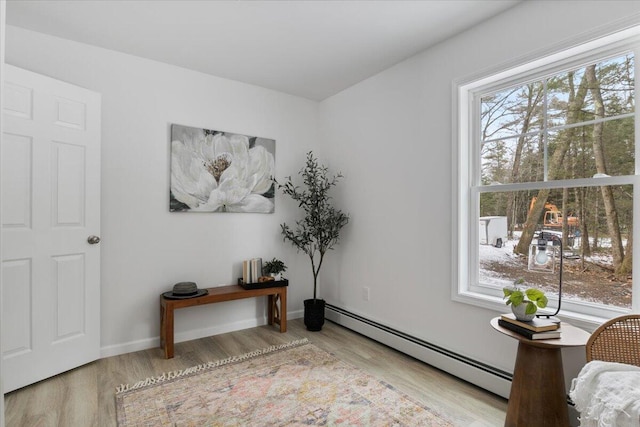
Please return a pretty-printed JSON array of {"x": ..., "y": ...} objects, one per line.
[
  {"x": 274, "y": 268},
  {"x": 319, "y": 229},
  {"x": 524, "y": 304}
]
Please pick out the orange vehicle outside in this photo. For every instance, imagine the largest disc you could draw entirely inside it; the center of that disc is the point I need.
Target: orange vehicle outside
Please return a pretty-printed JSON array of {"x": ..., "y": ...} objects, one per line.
[{"x": 553, "y": 216}]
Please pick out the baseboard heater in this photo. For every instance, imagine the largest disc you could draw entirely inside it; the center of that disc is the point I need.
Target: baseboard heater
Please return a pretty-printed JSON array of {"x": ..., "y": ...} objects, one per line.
[{"x": 480, "y": 374}]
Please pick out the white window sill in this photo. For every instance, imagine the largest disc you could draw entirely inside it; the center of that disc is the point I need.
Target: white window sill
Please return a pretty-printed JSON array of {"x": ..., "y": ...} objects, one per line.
[{"x": 588, "y": 322}]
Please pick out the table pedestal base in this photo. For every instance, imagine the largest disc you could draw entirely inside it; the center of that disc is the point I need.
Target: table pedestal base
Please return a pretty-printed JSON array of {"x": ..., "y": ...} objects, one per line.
[{"x": 538, "y": 395}]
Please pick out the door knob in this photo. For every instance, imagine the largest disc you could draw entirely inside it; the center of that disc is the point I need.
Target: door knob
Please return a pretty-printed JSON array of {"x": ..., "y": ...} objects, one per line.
[{"x": 93, "y": 240}]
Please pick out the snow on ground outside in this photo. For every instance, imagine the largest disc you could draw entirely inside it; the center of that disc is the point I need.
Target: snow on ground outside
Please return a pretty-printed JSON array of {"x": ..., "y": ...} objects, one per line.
[{"x": 490, "y": 257}]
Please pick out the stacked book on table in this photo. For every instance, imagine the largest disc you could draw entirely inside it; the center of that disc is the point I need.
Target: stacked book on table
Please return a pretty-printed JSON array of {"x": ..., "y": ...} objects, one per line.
[
  {"x": 251, "y": 270},
  {"x": 536, "y": 329}
]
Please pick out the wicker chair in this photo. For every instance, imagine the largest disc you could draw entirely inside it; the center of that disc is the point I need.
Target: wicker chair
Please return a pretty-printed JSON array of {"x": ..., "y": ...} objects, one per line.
[
  {"x": 617, "y": 340},
  {"x": 599, "y": 393}
]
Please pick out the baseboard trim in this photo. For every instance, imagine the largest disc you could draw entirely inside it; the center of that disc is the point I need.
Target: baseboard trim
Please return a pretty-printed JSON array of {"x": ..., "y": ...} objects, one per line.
[
  {"x": 475, "y": 372},
  {"x": 193, "y": 334},
  {"x": 154, "y": 342}
]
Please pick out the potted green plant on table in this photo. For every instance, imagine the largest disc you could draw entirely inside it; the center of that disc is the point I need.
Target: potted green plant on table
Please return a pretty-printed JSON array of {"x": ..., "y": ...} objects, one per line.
[
  {"x": 319, "y": 229},
  {"x": 274, "y": 268},
  {"x": 524, "y": 303}
]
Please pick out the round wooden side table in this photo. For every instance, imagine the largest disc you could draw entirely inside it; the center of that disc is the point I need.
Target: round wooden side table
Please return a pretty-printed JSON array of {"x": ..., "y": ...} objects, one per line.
[{"x": 538, "y": 395}]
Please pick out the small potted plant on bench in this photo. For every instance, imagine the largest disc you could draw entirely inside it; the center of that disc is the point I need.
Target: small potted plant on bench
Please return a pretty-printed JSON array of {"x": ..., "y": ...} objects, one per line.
[{"x": 274, "y": 268}]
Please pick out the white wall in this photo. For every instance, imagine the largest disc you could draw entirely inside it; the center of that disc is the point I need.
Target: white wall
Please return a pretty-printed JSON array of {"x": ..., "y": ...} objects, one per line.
[
  {"x": 397, "y": 125},
  {"x": 390, "y": 135},
  {"x": 3, "y": 25},
  {"x": 146, "y": 248}
]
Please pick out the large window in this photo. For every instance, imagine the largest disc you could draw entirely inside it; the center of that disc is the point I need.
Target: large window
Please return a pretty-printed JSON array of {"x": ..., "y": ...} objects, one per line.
[{"x": 548, "y": 150}]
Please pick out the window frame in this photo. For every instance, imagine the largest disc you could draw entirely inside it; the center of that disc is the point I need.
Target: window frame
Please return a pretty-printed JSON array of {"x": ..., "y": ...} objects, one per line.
[{"x": 466, "y": 167}]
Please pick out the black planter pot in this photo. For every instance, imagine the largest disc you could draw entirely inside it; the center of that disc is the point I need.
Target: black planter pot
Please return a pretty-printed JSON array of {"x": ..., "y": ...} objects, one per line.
[{"x": 314, "y": 314}]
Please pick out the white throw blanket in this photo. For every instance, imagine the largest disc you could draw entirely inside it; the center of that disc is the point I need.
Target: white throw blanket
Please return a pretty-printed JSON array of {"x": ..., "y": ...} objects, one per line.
[{"x": 607, "y": 394}]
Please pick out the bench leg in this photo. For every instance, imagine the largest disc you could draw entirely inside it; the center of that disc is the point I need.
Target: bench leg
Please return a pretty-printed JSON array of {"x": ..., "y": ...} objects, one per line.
[
  {"x": 166, "y": 330},
  {"x": 162, "y": 332},
  {"x": 278, "y": 314},
  {"x": 283, "y": 311},
  {"x": 272, "y": 309}
]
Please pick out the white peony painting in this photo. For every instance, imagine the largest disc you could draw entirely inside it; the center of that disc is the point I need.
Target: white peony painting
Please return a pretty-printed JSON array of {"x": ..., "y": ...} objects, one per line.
[{"x": 214, "y": 171}]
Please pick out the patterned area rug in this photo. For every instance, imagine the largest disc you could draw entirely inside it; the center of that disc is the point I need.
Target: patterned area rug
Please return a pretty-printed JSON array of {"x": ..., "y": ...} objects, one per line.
[{"x": 295, "y": 384}]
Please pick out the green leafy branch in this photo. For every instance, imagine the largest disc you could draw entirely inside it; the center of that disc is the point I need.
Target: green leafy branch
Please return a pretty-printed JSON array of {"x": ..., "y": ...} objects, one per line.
[{"x": 319, "y": 230}]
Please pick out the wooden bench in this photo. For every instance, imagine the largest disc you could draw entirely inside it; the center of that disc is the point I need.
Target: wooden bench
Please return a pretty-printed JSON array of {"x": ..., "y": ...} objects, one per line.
[{"x": 277, "y": 315}]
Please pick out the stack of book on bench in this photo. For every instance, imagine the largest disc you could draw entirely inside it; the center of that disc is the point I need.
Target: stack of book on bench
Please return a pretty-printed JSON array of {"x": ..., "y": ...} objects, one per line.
[{"x": 536, "y": 329}]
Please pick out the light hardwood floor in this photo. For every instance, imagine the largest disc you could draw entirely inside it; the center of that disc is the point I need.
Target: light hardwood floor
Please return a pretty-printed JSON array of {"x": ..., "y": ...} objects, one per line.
[{"x": 85, "y": 396}]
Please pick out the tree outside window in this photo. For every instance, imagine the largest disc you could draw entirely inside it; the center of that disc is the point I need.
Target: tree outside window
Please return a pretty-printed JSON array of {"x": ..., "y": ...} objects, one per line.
[{"x": 554, "y": 152}]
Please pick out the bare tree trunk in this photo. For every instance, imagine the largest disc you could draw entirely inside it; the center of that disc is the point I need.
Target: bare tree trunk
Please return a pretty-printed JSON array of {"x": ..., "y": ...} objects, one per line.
[
  {"x": 581, "y": 198},
  {"x": 533, "y": 98},
  {"x": 576, "y": 100},
  {"x": 565, "y": 218},
  {"x": 585, "y": 248},
  {"x": 529, "y": 227},
  {"x": 596, "y": 221},
  {"x": 511, "y": 217},
  {"x": 627, "y": 262},
  {"x": 607, "y": 192}
]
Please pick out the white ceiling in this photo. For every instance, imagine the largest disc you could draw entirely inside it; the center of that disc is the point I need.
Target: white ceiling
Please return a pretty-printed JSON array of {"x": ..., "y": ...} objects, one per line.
[{"x": 313, "y": 49}]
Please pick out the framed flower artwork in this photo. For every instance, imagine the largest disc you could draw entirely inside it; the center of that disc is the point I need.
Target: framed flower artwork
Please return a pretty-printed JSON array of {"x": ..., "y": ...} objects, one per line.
[{"x": 216, "y": 171}]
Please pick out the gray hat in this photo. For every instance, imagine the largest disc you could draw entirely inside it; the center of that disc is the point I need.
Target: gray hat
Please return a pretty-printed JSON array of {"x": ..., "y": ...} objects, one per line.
[{"x": 184, "y": 290}]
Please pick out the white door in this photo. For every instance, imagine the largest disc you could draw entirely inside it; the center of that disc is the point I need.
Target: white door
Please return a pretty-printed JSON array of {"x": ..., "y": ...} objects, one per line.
[{"x": 50, "y": 208}]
